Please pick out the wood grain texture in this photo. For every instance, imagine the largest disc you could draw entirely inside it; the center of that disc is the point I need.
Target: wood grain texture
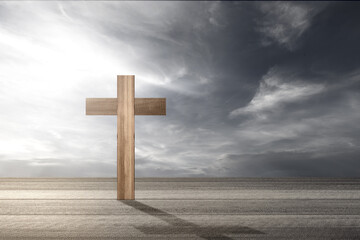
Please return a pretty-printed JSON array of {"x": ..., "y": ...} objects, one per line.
[
  {"x": 150, "y": 106},
  {"x": 101, "y": 106},
  {"x": 143, "y": 106},
  {"x": 126, "y": 137}
]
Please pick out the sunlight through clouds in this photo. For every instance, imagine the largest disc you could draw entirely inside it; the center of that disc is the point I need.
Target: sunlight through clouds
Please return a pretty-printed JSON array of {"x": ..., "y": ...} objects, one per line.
[{"x": 250, "y": 86}]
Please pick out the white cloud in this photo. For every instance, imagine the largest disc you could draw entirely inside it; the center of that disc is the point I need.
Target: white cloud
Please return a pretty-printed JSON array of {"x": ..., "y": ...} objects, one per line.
[
  {"x": 285, "y": 22},
  {"x": 318, "y": 128},
  {"x": 276, "y": 89}
]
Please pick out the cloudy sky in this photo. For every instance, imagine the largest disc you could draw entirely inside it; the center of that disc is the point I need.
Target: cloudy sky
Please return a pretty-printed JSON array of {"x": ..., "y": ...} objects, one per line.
[{"x": 255, "y": 89}]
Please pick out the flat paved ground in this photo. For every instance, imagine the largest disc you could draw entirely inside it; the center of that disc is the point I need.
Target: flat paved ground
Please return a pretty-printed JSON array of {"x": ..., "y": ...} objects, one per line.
[{"x": 174, "y": 208}]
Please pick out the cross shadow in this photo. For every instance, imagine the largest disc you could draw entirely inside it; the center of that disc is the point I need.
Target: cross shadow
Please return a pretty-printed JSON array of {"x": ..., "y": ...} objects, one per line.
[{"x": 180, "y": 226}]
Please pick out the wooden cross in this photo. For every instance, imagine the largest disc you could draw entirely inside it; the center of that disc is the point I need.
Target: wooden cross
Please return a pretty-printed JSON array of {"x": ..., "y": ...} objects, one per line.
[{"x": 126, "y": 106}]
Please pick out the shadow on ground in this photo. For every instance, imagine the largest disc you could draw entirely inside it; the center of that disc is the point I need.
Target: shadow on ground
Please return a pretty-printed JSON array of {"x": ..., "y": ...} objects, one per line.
[{"x": 180, "y": 226}]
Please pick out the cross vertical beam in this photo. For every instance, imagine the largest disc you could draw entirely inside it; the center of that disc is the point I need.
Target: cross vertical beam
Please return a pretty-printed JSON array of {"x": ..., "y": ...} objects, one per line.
[
  {"x": 126, "y": 137},
  {"x": 126, "y": 106}
]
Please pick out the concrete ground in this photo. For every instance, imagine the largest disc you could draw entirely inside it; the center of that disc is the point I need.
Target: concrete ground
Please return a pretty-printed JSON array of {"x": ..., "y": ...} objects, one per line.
[{"x": 188, "y": 208}]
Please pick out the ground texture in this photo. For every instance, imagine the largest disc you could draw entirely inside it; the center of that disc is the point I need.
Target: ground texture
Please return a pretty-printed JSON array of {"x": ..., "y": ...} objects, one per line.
[{"x": 188, "y": 208}]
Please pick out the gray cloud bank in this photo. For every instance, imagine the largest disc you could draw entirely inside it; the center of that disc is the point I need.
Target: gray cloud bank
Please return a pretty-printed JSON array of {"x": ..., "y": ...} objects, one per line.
[{"x": 253, "y": 88}]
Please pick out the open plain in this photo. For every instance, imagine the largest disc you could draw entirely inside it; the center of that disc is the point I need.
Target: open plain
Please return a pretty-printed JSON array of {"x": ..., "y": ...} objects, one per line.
[{"x": 180, "y": 208}]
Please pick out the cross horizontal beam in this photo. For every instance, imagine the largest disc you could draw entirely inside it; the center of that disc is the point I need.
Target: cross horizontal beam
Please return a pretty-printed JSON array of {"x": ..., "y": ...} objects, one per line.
[{"x": 108, "y": 106}]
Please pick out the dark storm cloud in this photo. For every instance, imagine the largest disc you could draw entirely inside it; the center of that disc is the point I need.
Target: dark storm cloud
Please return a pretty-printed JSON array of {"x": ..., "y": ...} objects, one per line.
[
  {"x": 304, "y": 109},
  {"x": 252, "y": 88}
]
